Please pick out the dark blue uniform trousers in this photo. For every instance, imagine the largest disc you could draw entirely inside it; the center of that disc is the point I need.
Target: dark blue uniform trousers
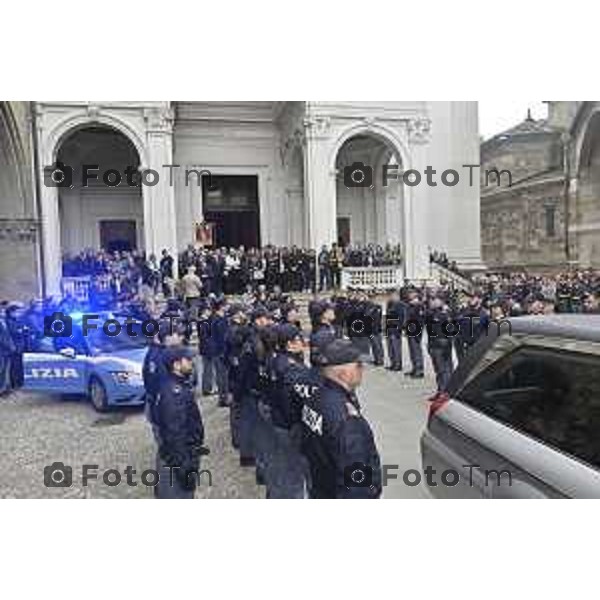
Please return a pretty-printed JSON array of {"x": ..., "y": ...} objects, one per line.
[
  {"x": 286, "y": 473},
  {"x": 377, "y": 348},
  {"x": 394, "y": 346},
  {"x": 168, "y": 487},
  {"x": 247, "y": 425},
  {"x": 441, "y": 359},
  {"x": 213, "y": 368},
  {"x": 415, "y": 349}
]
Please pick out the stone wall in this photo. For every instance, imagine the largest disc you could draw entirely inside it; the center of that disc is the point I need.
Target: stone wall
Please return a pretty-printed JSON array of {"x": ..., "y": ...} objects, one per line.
[{"x": 19, "y": 239}]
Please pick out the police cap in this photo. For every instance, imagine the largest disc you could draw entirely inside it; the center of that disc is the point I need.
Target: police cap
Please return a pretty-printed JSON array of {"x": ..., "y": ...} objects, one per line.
[
  {"x": 339, "y": 352},
  {"x": 259, "y": 312},
  {"x": 175, "y": 353},
  {"x": 323, "y": 306},
  {"x": 288, "y": 332}
]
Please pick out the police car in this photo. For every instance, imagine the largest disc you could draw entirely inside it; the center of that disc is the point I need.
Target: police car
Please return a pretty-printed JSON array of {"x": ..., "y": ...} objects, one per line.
[{"x": 105, "y": 369}]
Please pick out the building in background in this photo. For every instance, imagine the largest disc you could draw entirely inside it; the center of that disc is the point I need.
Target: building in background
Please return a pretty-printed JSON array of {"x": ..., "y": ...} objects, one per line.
[
  {"x": 549, "y": 219},
  {"x": 277, "y": 176},
  {"x": 19, "y": 214}
]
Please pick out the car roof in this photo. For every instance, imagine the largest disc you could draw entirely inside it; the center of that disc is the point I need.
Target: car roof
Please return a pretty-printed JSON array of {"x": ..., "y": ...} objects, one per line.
[{"x": 575, "y": 326}]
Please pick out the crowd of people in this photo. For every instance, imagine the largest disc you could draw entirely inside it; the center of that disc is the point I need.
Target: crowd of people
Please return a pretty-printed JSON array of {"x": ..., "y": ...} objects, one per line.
[
  {"x": 441, "y": 258},
  {"x": 289, "y": 380},
  {"x": 299, "y": 425},
  {"x": 230, "y": 271}
]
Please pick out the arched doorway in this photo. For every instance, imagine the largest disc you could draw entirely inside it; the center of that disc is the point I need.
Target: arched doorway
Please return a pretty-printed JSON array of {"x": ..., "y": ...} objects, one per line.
[
  {"x": 369, "y": 210},
  {"x": 101, "y": 210},
  {"x": 586, "y": 214}
]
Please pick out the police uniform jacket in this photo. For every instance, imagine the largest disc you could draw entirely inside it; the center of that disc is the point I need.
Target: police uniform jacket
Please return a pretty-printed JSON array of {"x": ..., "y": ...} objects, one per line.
[
  {"x": 335, "y": 438},
  {"x": 395, "y": 317},
  {"x": 179, "y": 425}
]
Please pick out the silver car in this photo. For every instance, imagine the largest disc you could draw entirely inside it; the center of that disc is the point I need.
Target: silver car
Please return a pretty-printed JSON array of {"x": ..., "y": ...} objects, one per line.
[{"x": 521, "y": 418}]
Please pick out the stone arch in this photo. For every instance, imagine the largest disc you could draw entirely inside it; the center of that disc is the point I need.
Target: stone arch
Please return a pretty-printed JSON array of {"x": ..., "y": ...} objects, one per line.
[
  {"x": 584, "y": 133},
  {"x": 585, "y": 211},
  {"x": 381, "y": 132},
  {"x": 72, "y": 123},
  {"x": 16, "y": 155},
  {"x": 99, "y": 216},
  {"x": 19, "y": 233},
  {"x": 51, "y": 138},
  {"x": 376, "y": 214}
]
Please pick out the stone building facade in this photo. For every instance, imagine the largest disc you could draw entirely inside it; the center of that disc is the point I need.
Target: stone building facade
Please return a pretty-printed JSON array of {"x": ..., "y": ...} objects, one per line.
[
  {"x": 19, "y": 223},
  {"x": 276, "y": 177},
  {"x": 549, "y": 218}
]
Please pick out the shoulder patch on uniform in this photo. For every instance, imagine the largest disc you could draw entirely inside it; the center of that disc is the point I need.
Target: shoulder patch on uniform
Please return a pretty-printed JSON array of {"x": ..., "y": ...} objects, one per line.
[{"x": 312, "y": 419}]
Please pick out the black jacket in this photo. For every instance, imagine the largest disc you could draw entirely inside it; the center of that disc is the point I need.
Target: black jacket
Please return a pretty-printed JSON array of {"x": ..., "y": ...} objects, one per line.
[
  {"x": 338, "y": 441},
  {"x": 179, "y": 427}
]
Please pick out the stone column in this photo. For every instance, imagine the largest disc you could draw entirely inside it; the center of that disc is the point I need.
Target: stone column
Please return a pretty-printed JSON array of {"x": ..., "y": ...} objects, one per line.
[
  {"x": 50, "y": 215},
  {"x": 416, "y": 204},
  {"x": 160, "y": 228},
  {"x": 319, "y": 184},
  {"x": 51, "y": 238}
]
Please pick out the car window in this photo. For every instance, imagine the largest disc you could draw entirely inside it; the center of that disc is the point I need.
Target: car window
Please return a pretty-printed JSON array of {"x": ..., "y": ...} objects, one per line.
[
  {"x": 550, "y": 393},
  {"x": 45, "y": 345},
  {"x": 76, "y": 341},
  {"x": 100, "y": 343}
]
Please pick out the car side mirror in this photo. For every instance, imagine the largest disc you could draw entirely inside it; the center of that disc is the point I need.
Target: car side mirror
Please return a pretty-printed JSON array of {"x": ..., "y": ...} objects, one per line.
[{"x": 67, "y": 352}]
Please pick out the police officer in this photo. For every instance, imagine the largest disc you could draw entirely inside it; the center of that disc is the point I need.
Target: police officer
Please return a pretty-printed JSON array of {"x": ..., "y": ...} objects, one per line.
[
  {"x": 359, "y": 324},
  {"x": 337, "y": 440},
  {"x": 179, "y": 428},
  {"x": 235, "y": 338},
  {"x": 292, "y": 381},
  {"x": 212, "y": 335},
  {"x": 415, "y": 322},
  {"x": 314, "y": 310},
  {"x": 252, "y": 376},
  {"x": 154, "y": 368},
  {"x": 323, "y": 330},
  {"x": 395, "y": 319},
  {"x": 21, "y": 338},
  {"x": 7, "y": 349},
  {"x": 374, "y": 311},
  {"x": 440, "y": 330},
  {"x": 473, "y": 321}
]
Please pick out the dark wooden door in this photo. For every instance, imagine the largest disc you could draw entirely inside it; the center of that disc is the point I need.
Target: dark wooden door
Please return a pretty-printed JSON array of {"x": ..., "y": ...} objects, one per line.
[{"x": 118, "y": 235}]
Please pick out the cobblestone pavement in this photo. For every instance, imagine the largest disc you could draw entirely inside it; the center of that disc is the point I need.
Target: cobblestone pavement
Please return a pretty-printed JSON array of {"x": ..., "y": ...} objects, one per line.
[{"x": 37, "y": 430}]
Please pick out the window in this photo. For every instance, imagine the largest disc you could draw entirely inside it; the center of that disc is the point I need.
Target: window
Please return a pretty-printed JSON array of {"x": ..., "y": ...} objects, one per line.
[
  {"x": 76, "y": 341},
  {"x": 551, "y": 394},
  {"x": 550, "y": 221}
]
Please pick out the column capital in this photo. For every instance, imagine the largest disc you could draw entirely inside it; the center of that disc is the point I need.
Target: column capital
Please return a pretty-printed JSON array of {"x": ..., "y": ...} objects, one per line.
[
  {"x": 419, "y": 130},
  {"x": 159, "y": 119},
  {"x": 317, "y": 126}
]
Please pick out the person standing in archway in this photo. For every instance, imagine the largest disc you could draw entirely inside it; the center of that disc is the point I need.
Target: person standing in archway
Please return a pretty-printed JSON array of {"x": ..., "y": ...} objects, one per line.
[
  {"x": 336, "y": 258},
  {"x": 166, "y": 273}
]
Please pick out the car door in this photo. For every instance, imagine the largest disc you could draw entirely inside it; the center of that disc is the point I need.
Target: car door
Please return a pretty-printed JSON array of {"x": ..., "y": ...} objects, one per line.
[
  {"x": 56, "y": 367},
  {"x": 533, "y": 417}
]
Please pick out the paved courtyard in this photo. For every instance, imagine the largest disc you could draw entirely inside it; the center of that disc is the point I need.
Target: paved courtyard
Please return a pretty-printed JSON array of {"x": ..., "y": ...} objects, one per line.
[{"x": 38, "y": 430}]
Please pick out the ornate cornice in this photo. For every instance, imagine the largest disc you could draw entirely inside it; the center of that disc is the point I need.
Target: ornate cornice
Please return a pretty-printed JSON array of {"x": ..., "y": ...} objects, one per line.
[
  {"x": 317, "y": 126},
  {"x": 18, "y": 230},
  {"x": 159, "y": 119}
]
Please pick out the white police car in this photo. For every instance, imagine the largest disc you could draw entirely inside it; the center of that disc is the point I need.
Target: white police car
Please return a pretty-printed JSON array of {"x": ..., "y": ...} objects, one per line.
[{"x": 105, "y": 369}]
